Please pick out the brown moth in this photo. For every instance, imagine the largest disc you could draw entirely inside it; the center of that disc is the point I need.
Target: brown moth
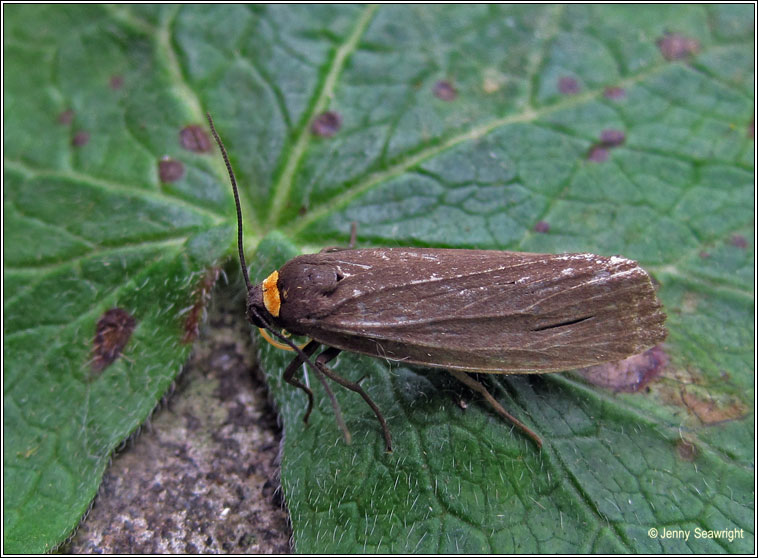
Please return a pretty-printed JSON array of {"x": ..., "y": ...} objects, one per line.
[{"x": 463, "y": 310}]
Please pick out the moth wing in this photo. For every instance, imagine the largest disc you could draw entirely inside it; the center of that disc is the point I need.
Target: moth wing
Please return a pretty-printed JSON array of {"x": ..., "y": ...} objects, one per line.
[{"x": 506, "y": 312}]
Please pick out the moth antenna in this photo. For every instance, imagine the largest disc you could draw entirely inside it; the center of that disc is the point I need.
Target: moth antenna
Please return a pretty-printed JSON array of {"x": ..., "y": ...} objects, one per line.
[{"x": 240, "y": 249}]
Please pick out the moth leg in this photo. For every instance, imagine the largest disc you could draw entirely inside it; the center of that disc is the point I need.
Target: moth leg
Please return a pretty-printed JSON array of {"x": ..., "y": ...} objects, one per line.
[
  {"x": 308, "y": 350},
  {"x": 479, "y": 388},
  {"x": 328, "y": 355},
  {"x": 335, "y": 406}
]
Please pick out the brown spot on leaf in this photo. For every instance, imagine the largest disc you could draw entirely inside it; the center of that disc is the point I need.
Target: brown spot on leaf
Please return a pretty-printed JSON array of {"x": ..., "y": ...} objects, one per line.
[
  {"x": 675, "y": 46},
  {"x": 170, "y": 170},
  {"x": 612, "y": 138},
  {"x": 738, "y": 241},
  {"x": 112, "y": 333},
  {"x": 629, "y": 375},
  {"x": 614, "y": 93},
  {"x": 751, "y": 128},
  {"x": 542, "y": 227},
  {"x": 711, "y": 409},
  {"x": 686, "y": 451},
  {"x": 609, "y": 139},
  {"x": 704, "y": 255},
  {"x": 200, "y": 295},
  {"x": 598, "y": 154},
  {"x": 80, "y": 138},
  {"x": 66, "y": 117},
  {"x": 568, "y": 85},
  {"x": 444, "y": 90},
  {"x": 116, "y": 82},
  {"x": 195, "y": 138},
  {"x": 326, "y": 124}
]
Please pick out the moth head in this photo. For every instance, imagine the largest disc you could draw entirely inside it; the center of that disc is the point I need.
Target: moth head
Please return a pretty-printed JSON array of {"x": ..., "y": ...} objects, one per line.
[{"x": 255, "y": 306}]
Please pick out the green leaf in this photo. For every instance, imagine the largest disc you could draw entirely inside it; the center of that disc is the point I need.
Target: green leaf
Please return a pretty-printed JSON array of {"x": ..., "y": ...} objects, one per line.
[{"x": 460, "y": 126}]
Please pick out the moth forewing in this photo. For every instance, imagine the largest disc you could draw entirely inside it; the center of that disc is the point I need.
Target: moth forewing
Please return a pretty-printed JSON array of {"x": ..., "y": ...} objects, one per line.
[{"x": 485, "y": 311}]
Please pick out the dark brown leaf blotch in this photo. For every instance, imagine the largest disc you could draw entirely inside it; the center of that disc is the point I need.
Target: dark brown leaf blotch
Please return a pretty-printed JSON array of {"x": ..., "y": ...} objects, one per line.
[
  {"x": 112, "y": 333},
  {"x": 614, "y": 93},
  {"x": 326, "y": 124},
  {"x": 80, "y": 139},
  {"x": 712, "y": 409},
  {"x": 170, "y": 170},
  {"x": 612, "y": 137},
  {"x": 201, "y": 294},
  {"x": 629, "y": 375},
  {"x": 568, "y": 85},
  {"x": 445, "y": 91},
  {"x": 739, "y": 241},
  {"x": 598, "y": 154},
  {"x": 687, "y": 451},
  {"x": 195, "y": 138},
  {"x": 609, "y": 139},
  {"x": 675, "y": 46},
  {"x": 66, "y": 117}
]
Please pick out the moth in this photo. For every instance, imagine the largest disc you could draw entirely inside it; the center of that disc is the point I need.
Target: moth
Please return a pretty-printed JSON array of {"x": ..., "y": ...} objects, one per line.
[{"x": 483, "y": 311}]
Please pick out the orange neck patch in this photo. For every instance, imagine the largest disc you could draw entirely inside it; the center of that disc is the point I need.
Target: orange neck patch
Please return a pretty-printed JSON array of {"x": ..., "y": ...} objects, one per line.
[{"x": 271, "y": 299}]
